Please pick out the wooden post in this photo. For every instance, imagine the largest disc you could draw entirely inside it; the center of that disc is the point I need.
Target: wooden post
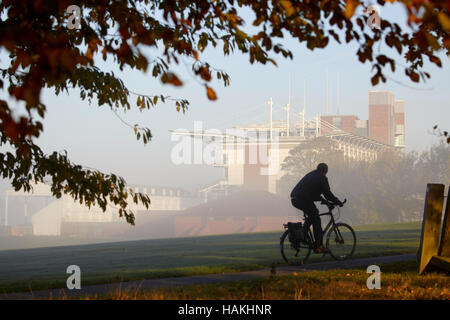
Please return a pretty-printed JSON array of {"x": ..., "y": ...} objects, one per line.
[
  {"x": 431, "y": 225},
  {"x": 444, "y": 246}
]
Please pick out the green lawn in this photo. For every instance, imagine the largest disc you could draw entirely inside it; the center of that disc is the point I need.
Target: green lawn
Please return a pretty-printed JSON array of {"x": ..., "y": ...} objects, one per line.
[
  {"x": 399, "y": 281},
  {"x": 42, "y": 268}
]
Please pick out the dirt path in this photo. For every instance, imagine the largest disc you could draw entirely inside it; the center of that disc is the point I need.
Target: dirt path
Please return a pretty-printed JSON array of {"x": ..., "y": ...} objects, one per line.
[{"x": 202, "y": 279}]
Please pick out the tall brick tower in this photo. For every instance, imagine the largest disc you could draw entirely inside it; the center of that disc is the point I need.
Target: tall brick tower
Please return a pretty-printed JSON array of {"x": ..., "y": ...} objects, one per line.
[
  {"x": 399, "y": 122},
  {"x": 381, "y": 116}
]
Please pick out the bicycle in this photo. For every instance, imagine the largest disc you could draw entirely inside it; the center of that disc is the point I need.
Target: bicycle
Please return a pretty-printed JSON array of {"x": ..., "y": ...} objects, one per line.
[{"x": 340, "y": 239}]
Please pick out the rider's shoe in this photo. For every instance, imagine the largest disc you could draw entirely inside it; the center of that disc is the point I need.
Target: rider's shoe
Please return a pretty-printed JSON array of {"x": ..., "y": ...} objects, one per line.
[{"x": 320, "y": 249}]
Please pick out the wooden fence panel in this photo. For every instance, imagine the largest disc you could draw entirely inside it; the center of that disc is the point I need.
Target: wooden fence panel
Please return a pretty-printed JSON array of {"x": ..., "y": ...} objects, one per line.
[
  {"x": 444, "y": 247},
  {"x": 431, "y": 225}
]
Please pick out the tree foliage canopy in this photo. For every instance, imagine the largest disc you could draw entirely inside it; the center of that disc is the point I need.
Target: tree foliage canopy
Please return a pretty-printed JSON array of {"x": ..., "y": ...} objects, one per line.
[{"x": 45, "y": 53}]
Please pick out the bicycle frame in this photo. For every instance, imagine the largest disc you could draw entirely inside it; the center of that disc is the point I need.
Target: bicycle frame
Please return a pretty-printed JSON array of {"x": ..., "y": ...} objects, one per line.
[{"x": 330, "y": 224}]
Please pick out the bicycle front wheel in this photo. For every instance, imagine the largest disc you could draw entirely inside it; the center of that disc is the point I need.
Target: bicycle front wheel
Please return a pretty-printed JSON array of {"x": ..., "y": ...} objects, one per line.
[
  {"x": 294, "y": 253},
  {"x": 341, "y": 241}
]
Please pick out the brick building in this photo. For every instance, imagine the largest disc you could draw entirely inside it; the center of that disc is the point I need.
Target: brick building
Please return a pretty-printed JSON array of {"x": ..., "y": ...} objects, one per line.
[
  {"x": 345, "y": 123},
  {"x": 386, "y": 122},
  {"x": 399, "y": 122},
  {"x": 381, "y": 116}
]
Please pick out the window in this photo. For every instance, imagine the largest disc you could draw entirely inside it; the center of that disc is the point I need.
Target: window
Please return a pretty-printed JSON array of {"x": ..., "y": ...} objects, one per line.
[
  {"x": 400, "y": 140},
  {"x": 337, "y": 123}
]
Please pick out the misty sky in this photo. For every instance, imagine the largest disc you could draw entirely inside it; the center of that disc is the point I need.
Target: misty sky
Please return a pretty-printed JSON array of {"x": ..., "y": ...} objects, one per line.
[{"x": 95, "y": 137}]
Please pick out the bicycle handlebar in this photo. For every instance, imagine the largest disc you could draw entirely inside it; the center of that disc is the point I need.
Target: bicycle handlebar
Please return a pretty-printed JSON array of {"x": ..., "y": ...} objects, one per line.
[{"x": 331, "y": 204}]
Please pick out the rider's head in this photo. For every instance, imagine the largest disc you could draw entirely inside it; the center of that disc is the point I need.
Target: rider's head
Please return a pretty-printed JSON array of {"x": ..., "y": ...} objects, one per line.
[{"x": 322, "y": 167}]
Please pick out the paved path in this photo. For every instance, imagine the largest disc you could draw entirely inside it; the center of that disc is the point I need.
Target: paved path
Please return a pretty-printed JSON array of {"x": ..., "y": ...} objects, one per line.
[{"x": 202, "y": 279}]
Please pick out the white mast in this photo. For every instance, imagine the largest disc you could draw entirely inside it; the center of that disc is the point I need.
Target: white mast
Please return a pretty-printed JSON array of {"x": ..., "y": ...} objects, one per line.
[
  {"x": 338, "y": 102},
  {"x": 288, "y": 107},
  {"x": 327, "y": 92},
  {"x": 271, "y": 122},
  {"x": 289, "y": 98},
  {"x": 317, "y": 125},
  {"x": 304, "y": 108}
]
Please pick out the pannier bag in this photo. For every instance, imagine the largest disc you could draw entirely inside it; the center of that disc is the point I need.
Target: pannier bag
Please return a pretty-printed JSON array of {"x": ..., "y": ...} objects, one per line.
[{"x": 296, "y": 232}]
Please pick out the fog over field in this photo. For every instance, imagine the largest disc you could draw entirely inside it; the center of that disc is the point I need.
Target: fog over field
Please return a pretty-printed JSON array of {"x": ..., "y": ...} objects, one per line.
[{"x": 195, "y": 187}]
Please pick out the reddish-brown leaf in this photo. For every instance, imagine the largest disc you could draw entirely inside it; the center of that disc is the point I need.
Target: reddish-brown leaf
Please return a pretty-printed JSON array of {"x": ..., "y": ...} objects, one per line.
[
  {"x": 211, "y": 93},
  {"x": 195, "y": 54},
  {"x": 172, "y": 79},
  {"x": 350, "y": 8}
]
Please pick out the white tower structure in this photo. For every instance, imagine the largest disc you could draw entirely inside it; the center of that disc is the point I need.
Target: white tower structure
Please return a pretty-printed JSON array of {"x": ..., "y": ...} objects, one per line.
[
  {"x": 271, "y": 120},
  {"x": 338, "y": 103},
  {"x": 288, "y": 107},
  {"x": 327, "y": 93},
  {"x": 302, "y": 133}
]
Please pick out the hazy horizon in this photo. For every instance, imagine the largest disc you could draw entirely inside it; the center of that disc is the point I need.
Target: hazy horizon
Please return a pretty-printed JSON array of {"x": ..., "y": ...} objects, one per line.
[{"x": 95, "y": 137}]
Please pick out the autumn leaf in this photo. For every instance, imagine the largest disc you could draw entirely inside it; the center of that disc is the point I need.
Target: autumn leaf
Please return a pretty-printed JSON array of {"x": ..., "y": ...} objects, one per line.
[
  {"x": 432, "y": 41},
  {"x": 287, "y": 5},
  {"x": 195, "y": 54},
  {"x": 93, "y": 44},
  {"x": 89, "y": 54},
  {"x": 272, "y": 61},
  {"x": 124, "y": 50},
  {"x": 436, "y": 61},
  {"x": 211, "y": 93},
  {"x": 350, "y": 8},
  {"x": 171, "y": 78},
  {"x": 444, "y": 20},
  {"x": 204, "y": 73},
  {"x": 374, "y": 80},
  {"x": 414, "y": 76}
]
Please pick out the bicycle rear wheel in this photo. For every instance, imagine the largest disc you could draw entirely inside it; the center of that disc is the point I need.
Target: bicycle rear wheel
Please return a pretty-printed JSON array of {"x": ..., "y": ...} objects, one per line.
[
  {"x": 341, "y": 241},
  {"x": 294, "y": 253}
]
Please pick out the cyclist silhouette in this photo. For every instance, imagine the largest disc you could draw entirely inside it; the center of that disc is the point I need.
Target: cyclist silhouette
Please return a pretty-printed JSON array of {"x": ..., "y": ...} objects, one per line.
[{"x": 309, "y": 189}]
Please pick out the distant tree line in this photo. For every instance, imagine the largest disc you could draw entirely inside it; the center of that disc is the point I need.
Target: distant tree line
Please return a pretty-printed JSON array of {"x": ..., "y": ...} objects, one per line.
[{"x": 389, "y": 189}]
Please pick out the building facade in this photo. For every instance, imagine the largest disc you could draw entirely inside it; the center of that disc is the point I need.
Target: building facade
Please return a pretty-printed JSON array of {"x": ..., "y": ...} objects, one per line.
[
  {"x": 67, "y": 217},
  {"x": 399, "y": 123},
  {"x": 337, "y": 123},
  {"x": 381, "y": 116},
  {"x": 386, "y": 123}
]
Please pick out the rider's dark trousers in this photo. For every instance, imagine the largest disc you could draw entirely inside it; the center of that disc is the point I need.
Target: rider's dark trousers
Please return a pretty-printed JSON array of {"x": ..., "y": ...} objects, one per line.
[{"x": 311, "y": 211}]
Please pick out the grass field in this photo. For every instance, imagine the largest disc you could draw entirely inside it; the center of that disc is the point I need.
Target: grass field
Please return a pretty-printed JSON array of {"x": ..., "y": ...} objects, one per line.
[
  {"x": 42, "y": 268},
  {"x": 399, "y": 281}
]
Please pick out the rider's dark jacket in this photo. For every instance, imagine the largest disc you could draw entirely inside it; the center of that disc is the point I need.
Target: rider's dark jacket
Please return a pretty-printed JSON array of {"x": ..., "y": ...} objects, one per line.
[{"x": 312, "y": 186}]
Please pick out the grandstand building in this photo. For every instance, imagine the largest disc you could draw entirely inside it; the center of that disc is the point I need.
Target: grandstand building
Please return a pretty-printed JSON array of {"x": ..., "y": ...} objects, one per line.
[{"x": 361, "y": 140}]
